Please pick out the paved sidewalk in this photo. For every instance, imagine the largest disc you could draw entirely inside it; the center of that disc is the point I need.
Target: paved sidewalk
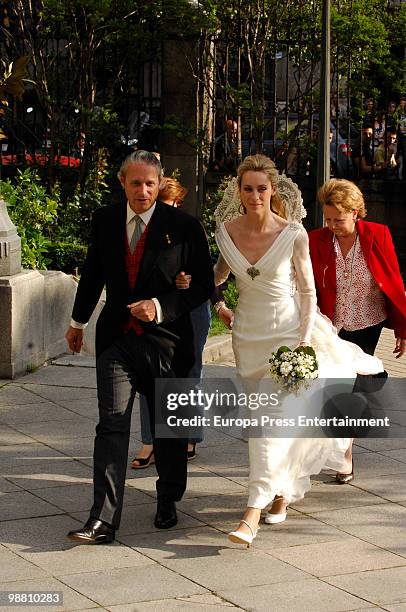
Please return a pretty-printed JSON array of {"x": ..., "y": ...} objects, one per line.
[{"x": 342, "y": 547}]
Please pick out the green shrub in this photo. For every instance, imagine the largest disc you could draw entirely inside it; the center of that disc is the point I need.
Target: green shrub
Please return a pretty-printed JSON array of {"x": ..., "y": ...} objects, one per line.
[
  {"x": 209, "y": 223},
  {"x": 35, "y": 213},
  {"x": 66, "y": 256},
  {"x": 217, "y": 326},
  {"x": 75, "y": 214}
]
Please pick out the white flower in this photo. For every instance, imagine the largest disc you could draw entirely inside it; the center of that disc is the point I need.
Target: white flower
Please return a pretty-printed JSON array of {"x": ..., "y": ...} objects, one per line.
[{"x": 286, "y": 368}]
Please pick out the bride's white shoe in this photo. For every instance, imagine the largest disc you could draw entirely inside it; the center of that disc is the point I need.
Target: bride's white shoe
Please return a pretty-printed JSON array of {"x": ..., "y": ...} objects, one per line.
[
  {"x": 272, "y": 518},
  {"x": 239, "y": 537}
]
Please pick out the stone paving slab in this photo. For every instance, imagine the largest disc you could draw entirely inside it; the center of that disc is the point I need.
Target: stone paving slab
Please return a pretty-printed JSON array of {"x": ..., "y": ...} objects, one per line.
[
  {"x": 399, "y": 454},
  {"x": 16, "y": 453},
  {"x": 49, "y": 472},
  {"x": 349, "y": 556},
  {"x": 57, "y": 392},
  {"x": 78, "y": 427},
  {"x": 330, "y": 496},
  {"x": 86, "y": 407},
  {"x": 78, "y": 360},
  {"x": 10, "y": 435},
  {"x": 69, "y": 558},
  {"x": 301, "y": 596},
  {"x": 80, "y": 448},
  {"x": 381, "y": 586},
  {"x": 25, "y": 535},
  {"x": 13, "y": 567},
  {"x": 235, "y": 568},
  {"x": 6, "y": 486},
  {"x": 391, "y": 489},
  {"x": 131, "y": 585},
  {"x": 383, "y": 525},
  {"x": 12, "y": 394},
  {"x": 381, "y": 444},
  {"x": 194, "y": 603},
  {"x": 34, "y": 413},
  {"x": 68, "y": 377},
  {"x": 237, "y": 474},
  {"x": 22, "y": 504}
]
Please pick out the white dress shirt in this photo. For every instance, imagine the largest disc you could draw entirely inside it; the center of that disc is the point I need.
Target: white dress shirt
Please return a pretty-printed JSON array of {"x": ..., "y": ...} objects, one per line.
[{"x": 130, "y": 226}]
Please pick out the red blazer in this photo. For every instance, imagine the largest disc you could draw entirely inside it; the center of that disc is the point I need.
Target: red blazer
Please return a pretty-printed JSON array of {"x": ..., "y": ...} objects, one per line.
[{"x": 377, "y": 247}]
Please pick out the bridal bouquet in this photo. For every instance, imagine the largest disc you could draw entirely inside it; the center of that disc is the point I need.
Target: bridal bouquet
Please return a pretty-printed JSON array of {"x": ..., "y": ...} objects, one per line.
[{"x": 294, "y": 369}]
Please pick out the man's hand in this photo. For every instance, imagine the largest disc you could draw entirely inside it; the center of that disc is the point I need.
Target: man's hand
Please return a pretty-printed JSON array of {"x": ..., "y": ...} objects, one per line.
[
  {"x": 74, "y": 338},
  {"x": 400, "y": 347},
  {"x": 183, "y": 280},
  {"x": 144, "y": 310}
]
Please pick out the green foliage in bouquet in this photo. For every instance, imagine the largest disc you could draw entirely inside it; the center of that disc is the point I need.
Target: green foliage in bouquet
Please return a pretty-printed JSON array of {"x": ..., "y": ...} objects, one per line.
[{"x": 231, "y": 295}]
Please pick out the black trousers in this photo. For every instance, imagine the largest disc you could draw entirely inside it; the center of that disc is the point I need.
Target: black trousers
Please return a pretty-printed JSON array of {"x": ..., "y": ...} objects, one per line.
[
  {"x": 367, "y": 338},
  {"x": 131, "y": 364}
]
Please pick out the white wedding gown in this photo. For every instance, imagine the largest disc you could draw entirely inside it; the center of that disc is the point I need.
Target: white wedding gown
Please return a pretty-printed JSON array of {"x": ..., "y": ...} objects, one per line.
[{"x": 278, "y": 307}]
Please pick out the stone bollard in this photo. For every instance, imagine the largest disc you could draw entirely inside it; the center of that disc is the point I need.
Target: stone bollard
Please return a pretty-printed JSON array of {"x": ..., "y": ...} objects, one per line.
[
  {"x": 35, "y": 307},
  {"x": 10, "y": 244}
]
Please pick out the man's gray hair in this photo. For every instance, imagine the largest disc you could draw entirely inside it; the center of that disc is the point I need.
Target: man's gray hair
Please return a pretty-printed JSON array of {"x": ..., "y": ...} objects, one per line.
[{"x": 141, "y": 157}]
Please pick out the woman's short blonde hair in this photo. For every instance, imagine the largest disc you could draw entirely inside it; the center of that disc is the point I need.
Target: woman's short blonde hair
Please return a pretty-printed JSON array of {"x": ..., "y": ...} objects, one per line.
[
  {"x": 262, "y": 163},
  {"x": 344, "y": 195},
  {"x": 172, "y": 190}
]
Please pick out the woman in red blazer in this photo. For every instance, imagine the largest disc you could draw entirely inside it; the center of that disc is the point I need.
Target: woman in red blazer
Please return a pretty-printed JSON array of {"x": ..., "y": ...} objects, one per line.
[{"x": 356, "y": 271}]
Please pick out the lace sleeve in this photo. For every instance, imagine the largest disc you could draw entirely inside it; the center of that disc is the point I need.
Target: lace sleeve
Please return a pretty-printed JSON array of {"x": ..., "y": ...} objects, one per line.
[
  {"x": 306, "y": 286},
  {"x": 221, "y": 271}
]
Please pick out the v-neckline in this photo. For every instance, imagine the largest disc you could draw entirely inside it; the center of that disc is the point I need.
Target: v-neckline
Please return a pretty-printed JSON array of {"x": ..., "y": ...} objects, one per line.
[{"x": 266, "y": 252}]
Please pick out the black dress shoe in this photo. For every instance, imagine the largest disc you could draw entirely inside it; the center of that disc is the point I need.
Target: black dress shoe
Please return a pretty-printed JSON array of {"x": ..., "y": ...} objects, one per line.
[
  {"x": 94, "y": 531},
  {"x": 165, "y": 514}
]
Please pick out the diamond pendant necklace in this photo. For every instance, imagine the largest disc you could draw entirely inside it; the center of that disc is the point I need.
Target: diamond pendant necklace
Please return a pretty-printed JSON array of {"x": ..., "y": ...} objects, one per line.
[{"x": 348, "y": 273}]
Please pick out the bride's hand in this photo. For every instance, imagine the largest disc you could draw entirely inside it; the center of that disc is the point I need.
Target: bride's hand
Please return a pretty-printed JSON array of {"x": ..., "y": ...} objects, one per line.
[{"x": 227, "y": 316}]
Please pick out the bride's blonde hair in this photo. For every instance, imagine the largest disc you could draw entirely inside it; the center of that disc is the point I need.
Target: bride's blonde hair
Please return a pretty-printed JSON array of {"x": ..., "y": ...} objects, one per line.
[{"x": 262, "y": 163}]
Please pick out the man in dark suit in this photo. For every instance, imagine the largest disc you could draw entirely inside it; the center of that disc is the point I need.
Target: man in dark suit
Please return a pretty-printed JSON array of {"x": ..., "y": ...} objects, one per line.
[{"x": 143, "y": 333}]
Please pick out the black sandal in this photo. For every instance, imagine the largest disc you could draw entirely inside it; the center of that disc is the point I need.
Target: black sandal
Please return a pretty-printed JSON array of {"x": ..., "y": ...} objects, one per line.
[
  {"x": 191, "y": 454},
  {"x": 143, "y": 463}
]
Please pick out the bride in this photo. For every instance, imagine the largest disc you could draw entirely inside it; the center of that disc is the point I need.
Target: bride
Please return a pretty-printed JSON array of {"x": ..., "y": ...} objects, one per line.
[{"x": 269, "y": 258}]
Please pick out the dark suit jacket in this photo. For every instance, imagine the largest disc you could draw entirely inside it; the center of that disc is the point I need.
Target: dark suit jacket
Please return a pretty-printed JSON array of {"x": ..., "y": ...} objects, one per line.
[
  {"x": 175, "y": 241},
  {"x": 377, "y": 247}
]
